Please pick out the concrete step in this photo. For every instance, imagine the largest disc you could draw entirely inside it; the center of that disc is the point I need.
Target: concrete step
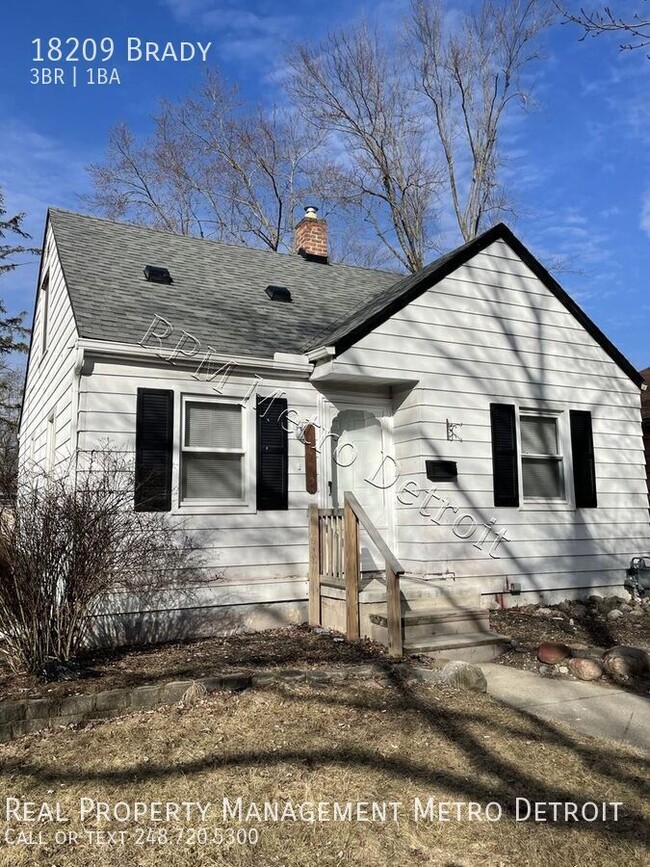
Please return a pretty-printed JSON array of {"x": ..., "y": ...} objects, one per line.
[
  {"x": 417, "y": 592},
  {"x": 470, "y": 647},
  {"x": 426, "y": 622}
]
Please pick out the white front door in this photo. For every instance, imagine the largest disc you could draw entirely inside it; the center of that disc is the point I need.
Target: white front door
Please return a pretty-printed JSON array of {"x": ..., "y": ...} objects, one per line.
[{"x": 361, "y": 462}]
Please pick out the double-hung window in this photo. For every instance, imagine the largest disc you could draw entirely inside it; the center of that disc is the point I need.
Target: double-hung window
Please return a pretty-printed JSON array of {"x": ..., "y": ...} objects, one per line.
[
  {"x": 213, "y": 452},
  {"x": 542, "y": 459},
  {"x": 542, "y": 456},
  {"x": 231, "y": 456}
]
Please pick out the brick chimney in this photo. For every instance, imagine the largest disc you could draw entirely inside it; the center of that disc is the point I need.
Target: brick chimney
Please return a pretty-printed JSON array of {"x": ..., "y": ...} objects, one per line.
[{"x": 311, "y": 237}]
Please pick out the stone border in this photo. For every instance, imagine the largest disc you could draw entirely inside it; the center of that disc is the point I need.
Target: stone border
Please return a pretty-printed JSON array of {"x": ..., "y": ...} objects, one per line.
[
  {"x": 22, "y": 717},
  {"x": 18, "y": 718}
]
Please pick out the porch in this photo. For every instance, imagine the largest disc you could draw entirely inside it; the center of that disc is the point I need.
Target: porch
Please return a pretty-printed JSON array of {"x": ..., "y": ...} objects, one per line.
[{"x": 407, "y": 613}]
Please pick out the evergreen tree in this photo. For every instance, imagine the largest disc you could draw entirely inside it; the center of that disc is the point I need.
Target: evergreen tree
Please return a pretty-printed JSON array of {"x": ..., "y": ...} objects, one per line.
[{"x": 13, "y": 337}]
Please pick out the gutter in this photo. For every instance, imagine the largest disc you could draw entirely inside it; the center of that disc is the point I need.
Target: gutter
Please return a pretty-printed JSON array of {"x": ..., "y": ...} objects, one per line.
[{"x": 112, "y": 351}]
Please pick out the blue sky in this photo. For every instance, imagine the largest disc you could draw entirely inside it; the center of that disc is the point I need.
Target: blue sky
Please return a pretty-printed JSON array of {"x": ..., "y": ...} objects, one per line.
[{"x": 578, "y": 162}]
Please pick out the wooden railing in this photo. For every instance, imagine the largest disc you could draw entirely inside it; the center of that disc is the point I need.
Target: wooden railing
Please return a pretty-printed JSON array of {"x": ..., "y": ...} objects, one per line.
[
  {"x": 331, "y": 545},
  {"x": 334, "y": 556}
]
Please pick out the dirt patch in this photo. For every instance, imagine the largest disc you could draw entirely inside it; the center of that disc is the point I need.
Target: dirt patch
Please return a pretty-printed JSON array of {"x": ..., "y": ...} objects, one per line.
[
  {"x": 299, "y": 647},
  {"x": 585, "y": 625}
]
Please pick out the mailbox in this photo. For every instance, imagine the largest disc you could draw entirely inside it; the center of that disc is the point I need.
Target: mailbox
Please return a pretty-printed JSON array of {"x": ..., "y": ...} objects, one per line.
[{"x": 441, "y": 471}]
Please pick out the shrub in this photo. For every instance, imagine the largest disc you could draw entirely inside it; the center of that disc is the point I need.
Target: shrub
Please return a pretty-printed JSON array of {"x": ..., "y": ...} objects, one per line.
[{"x": 74, "y": 541}]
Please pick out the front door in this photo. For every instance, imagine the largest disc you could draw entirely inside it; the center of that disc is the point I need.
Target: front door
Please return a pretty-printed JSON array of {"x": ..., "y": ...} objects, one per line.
[{"x": 361, "y": 462}]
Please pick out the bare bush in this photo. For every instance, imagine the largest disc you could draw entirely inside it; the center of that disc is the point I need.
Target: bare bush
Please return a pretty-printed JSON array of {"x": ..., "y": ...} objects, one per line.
[{"x": 70, "y": 547}]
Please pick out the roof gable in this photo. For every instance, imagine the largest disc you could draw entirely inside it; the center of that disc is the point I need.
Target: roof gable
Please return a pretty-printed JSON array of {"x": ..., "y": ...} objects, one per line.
[{"x": 371, "y": 315}]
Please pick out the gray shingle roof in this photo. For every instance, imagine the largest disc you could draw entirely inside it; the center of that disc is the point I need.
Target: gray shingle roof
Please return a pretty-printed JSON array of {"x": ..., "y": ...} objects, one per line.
[{"x": 218, "y": 290}]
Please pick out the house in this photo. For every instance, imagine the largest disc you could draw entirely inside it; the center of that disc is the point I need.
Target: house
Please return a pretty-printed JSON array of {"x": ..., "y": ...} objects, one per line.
[{"x": 490, "y": 431}]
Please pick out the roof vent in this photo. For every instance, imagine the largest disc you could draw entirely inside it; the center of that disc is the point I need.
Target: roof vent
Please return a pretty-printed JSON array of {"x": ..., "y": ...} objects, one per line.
[
  {"x": 278, "y": 293},
  {"x": 154, "y": 274}
]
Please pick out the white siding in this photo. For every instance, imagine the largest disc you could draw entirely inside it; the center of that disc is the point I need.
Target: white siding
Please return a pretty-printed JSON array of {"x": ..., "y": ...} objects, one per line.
[
  {"x": 50, "y": 387},
  {"x": 492, "y": 332},
  {"x": 260, "y": 547}
]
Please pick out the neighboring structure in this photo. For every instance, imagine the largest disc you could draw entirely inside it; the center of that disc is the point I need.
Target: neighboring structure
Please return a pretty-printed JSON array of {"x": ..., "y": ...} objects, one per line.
[{"x": 488, "y": 427}]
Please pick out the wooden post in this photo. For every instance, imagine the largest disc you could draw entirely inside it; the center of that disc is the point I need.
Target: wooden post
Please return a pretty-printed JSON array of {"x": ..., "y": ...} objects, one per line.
[
  {"x": 395, "y": 647},
  {"x": 351, "y": 530},
  {"x": 311, "y": 472},
  {"x": 314, "y": 568}
]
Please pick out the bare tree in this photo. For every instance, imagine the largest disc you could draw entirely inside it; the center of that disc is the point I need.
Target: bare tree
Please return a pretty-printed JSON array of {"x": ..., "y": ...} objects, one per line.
[
  {"x": 212, "y": 167},
  {"x": 469, "y": 77},
  {"x": 384, "y": 129},
  {"x": 68, "y": 547},
  {"x": 131, "y": 185},
  {"x": 631, "y": 27},
  {"x": 353, "y": 88}
]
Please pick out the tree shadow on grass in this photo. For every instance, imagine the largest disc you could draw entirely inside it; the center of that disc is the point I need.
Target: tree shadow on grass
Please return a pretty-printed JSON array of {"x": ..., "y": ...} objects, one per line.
[{"x": 507, "y": 779}]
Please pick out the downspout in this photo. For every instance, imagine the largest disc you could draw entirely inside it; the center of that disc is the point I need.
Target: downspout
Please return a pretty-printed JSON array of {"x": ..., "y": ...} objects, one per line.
[{"x": 74, "y": 409}]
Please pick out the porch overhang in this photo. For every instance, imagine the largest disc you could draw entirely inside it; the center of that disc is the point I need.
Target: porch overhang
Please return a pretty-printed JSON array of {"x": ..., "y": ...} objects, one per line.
[{"x": 333, "y": 372}]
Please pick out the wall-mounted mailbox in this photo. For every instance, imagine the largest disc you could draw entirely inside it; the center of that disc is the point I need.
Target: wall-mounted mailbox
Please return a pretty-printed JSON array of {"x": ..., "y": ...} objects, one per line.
[{"x": 441, "y": 471}]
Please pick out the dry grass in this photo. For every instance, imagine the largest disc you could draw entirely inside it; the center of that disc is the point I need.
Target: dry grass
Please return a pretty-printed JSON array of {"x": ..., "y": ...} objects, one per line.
[
  {"x": 297, "y": 646},
  {"x": 383, "y": 740}
]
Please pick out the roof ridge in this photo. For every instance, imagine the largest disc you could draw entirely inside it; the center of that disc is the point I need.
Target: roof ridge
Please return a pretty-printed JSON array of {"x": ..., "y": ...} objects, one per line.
[{"x": 168, "y": 232}]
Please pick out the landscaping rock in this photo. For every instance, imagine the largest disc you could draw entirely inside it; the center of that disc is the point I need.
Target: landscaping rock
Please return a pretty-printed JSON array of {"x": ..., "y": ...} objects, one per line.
[
  {"x": 552, "y": 652},
  {"x": 625, "y": 608},
  {"x": 636, "y": 612},
  {"x": 463, "y": 675},
  {"x": 586, "y": 651},
  {"x": 544, "y": 612},
  {"x": 546, "y": 670},
  {"x": 563, "y": 669},
  {"x": 614, "y": 614},
  {"x": 623, "y": 661},
  {"x": 596, "y": 599},
  {"x": 585, "y": 669}
]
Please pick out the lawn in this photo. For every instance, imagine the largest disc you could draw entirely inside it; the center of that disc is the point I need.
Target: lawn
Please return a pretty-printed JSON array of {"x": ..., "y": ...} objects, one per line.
[{"x": 380, "y": 740}]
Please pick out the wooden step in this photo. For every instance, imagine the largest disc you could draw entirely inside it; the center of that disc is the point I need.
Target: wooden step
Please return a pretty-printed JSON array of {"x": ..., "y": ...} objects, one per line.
[
  {"x": 468, "y": 647},
  {"x": 423, "y": 623}
]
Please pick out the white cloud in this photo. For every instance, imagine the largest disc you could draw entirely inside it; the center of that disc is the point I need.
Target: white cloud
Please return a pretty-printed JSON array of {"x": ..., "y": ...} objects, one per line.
[
  {"x": 245, "y": 33},
  {"x": 36, "y": 171},
  {"x": 645, "y": 214}
]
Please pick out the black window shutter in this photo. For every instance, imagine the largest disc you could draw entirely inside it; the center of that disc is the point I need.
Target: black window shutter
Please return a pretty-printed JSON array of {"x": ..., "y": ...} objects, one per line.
[
  {"x": 272, "y": 455},
  {"x": 504, "y": 454},
  {"x": 154, "y": 443},
  {"x": 584, "y": 464}
]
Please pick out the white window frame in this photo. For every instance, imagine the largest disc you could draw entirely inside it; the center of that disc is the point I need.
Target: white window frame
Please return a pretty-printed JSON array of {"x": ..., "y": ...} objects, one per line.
[
  {"x": 564, "y": 457},
  {"x": 190, "y": 504}
]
